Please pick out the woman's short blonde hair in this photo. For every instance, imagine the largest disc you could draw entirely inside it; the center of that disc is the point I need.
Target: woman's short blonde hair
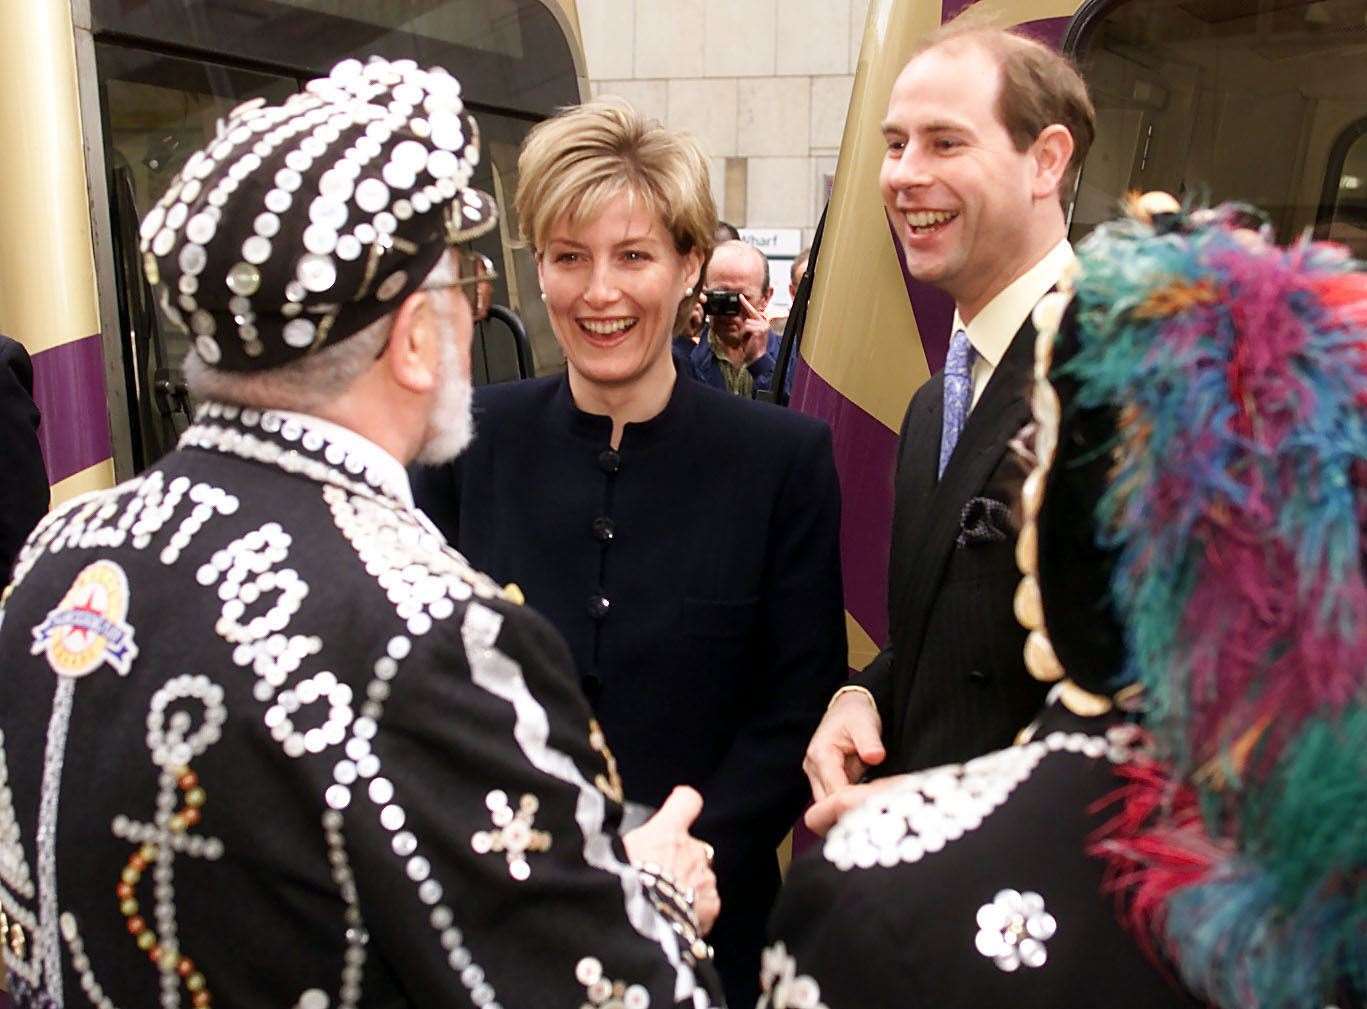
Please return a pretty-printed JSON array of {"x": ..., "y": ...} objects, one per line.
[{"x": 584, "y": 156}]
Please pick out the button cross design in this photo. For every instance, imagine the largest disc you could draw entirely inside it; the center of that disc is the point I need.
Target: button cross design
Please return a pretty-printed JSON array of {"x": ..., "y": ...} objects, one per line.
[{"x": 173, "y": 746}]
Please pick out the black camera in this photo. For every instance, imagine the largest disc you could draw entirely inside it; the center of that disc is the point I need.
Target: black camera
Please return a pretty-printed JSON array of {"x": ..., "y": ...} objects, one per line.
[{"x": 722, "y": 303}]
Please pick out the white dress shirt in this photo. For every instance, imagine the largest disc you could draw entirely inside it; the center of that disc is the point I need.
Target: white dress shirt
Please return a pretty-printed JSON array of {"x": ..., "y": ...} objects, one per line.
[{"x": 993, "y": 329}]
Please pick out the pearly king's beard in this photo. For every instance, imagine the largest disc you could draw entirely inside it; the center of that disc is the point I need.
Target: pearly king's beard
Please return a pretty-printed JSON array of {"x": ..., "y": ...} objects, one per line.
[{"x": 451, "y": 425}]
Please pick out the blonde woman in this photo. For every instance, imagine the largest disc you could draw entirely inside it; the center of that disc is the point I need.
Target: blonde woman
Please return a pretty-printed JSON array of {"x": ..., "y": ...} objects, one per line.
[{"x": 685, "y": 542}]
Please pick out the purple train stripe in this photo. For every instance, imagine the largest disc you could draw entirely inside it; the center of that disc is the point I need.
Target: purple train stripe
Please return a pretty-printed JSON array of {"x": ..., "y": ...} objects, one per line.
[
  {"x": 953, "y": 8},
  {"x": 932, "y": 308},
  {"x": 69, "y": 387},
  {"x": 865, "y": 455},
  {"x": 1048, "y": 30}
]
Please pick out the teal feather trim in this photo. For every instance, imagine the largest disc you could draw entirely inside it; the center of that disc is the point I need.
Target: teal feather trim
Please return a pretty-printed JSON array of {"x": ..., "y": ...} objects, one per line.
[{"x": 1237, "y": 509}]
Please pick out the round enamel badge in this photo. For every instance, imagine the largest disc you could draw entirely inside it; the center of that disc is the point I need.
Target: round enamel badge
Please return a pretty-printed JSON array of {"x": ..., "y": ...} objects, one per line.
[{"x": 89, "y": 626}]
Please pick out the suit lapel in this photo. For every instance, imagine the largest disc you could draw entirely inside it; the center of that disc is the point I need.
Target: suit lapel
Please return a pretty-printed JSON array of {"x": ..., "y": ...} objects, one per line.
[
  {"x": 999, "y": 414},
  {"x": 921, "y": 443}
]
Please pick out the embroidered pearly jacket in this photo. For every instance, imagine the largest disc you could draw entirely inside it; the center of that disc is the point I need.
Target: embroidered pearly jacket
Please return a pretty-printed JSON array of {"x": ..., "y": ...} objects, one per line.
[
  {"x": 266, "y": 741},
  {"x": 968, "y": 886}
]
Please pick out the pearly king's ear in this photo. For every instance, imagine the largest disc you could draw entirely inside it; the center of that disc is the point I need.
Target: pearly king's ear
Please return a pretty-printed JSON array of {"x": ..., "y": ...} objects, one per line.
[{"x": 412, "y": 353}]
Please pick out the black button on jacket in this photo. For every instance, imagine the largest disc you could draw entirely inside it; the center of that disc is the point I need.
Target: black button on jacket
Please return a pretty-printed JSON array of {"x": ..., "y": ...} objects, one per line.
[{"x": 695, "y": 573}]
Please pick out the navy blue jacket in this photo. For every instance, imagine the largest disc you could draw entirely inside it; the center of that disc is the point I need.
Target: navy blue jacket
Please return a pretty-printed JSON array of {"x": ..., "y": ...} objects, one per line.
[
  {"x": 24, "y": 489},
  {"x": 702, "y": 363},
  {"x": 695, "y": 573}
]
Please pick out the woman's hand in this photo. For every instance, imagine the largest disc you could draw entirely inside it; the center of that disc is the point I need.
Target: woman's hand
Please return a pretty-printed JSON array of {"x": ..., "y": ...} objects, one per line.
[{"x": 663, "y": 840}]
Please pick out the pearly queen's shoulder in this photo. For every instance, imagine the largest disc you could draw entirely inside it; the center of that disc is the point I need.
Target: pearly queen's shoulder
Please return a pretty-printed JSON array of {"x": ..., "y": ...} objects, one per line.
[{"x": 922, "y": 813}]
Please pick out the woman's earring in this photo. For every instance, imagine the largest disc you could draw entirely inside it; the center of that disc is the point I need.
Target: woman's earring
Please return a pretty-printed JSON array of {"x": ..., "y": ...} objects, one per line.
[
  {"x": 688, "y": 292},
  {"x": 543, "y": 295}
]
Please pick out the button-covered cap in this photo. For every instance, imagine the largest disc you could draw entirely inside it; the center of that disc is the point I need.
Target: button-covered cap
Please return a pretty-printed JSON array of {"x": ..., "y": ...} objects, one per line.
[
  {"x": 599, "y": 606},
  {"x": 603, "y": 528},
  {"x": 300, "y": 224},
  {"x": 609, "y": 460}
]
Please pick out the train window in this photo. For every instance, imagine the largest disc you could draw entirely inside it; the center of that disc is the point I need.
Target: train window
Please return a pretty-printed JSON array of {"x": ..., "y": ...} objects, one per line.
[
  {"x": 1343, "y": 206},
  {"x": 1220, "y": 99},
  {"x": 508, "y": 54},
  {"x": 158, "y": 110},
  {"x": 169, "y": 69}
]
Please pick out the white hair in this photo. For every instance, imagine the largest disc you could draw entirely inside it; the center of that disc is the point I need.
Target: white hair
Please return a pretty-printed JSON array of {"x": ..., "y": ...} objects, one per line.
[
  {"x": 313, "y": 381},
  {"x": 451, "y": 424}
]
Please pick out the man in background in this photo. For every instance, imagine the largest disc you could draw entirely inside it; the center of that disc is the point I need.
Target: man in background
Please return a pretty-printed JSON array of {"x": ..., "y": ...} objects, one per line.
[
  {"x": 736, "y": 350},
  {"x": 797, "y": 271}
]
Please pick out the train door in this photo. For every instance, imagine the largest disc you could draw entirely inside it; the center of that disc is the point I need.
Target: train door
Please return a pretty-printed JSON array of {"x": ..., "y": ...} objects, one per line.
[
  {"x": 166, "y": 71},
  {"x": 1343, "y": 201},
  {"x": 158, "y": 109}
]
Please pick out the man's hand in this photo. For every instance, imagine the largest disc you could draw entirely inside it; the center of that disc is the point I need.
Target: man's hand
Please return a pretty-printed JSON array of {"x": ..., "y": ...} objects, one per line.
[
  {"x": 845, "y": 745},
  {"x": 756, "y": 329},
  {"x": 822, "y": 816},
  {"x": 664, "y": 841}
]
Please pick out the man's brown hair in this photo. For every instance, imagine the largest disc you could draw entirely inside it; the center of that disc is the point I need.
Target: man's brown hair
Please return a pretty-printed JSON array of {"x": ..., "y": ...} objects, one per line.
[{"x": 1039, "y": 87}]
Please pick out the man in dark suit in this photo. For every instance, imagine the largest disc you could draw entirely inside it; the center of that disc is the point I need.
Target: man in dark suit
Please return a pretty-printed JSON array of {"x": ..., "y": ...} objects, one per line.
[
  {"x": 986, "y": 132},
  {"x": 24, "y": 490}
]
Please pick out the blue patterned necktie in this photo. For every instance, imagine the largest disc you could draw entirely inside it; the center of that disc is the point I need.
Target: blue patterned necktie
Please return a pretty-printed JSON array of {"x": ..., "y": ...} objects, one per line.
[{"x": 958, "y": 395}]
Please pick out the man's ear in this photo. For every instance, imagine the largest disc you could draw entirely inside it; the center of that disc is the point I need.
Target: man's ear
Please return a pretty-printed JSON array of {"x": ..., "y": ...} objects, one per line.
[
  {"x": 764, "y": 300},
  {"x": 411, "y": 355},
  {"x": 1051, "y": 151}
]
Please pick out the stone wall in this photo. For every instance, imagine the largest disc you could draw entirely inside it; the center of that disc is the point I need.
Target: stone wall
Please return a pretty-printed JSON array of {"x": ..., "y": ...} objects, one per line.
[{"x": 763, "y": 84}]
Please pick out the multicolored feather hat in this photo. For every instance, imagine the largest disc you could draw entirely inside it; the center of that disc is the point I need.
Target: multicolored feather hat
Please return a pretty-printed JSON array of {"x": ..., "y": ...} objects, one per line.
[{"x": 1196, "y": 535}]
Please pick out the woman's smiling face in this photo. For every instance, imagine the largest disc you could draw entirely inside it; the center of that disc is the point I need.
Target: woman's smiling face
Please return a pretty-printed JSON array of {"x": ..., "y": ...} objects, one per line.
[{"x": 613, "y": 285}]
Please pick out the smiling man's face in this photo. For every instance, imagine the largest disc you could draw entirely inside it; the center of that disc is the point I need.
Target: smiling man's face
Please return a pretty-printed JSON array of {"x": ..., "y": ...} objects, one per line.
[{"x": 958, "y": 192}]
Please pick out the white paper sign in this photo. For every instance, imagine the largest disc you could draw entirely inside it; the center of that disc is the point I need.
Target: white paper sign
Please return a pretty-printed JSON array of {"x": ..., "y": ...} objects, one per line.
[{"x": 774, "y": 242}]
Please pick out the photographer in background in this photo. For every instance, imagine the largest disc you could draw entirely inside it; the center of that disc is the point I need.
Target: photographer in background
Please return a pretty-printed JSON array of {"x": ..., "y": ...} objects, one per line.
[{"x": 736, "y": 350}]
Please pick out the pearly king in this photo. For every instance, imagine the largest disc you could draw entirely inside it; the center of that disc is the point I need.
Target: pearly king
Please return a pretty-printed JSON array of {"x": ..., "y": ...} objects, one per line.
[{"x": 265, "y": 740}]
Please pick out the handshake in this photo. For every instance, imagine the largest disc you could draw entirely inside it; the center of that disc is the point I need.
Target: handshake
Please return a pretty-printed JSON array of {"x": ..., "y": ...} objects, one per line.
[
  {"x": 663, "y": 848},
  {"x": 845, "y": 745}
]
